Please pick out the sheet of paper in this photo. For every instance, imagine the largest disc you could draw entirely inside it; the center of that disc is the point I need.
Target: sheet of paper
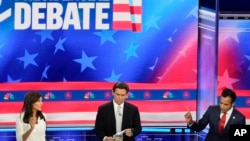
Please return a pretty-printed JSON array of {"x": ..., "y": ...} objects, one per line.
[{"x": 119, "y": 133}]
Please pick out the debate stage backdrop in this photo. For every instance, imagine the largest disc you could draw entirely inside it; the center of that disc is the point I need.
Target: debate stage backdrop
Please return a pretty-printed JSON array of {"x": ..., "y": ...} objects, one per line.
[
  {"x": 72, "y": 51},
  {"x": 234, "y": 61}
]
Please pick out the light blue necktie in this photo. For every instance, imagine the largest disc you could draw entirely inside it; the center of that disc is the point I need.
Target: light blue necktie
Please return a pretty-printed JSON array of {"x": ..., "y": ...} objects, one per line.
[{"x": 118, "y": 119}]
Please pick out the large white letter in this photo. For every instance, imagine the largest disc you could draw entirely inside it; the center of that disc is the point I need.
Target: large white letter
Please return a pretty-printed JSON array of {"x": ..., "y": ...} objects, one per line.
[
  {"x": 54, "y": 12},
  {"x": 237, "y": 132},
  {"x": 100, "y": 16},
  {"x": 86, "y": 13},
  {"x": 22, "y": 9},
  {"x": 71, "y": 16},
  {"x": 37, "y": 16},
  {"x": 243, "y": 131}
]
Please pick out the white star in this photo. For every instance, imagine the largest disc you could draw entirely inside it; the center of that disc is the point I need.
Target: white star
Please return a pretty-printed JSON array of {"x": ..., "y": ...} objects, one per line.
[
  {"x": 226, "y": 33},
  {"x": 193, "y": 12}
]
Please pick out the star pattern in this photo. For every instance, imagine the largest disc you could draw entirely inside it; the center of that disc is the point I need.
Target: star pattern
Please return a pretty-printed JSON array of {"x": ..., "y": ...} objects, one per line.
[
  {"x": 86, "y": 62},
  {"x": 152, "y": 22},
  {"x": 165, "y": 52},
  {"x": 230, "y": 33},
  {"x": 59, "y": 45},
  {"x": 28, "y": 59},
  {"x": 106, "y": 36},
  {"x": 45, "y": 34},
  {"x": 233, "y": 55},
  {"x": 226, "y": 81},
  {"x": 193, "y": 12},
  {"x": 131, "y": 51},
  {"x": 114, "y": 77},
  {"x": 98, "y": 55},
  {"x": 10, "y": 80},
  {"x": 44, "y": 74}
]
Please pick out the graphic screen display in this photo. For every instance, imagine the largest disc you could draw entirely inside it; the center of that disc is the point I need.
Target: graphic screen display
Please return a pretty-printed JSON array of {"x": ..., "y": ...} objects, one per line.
[
  {"x": 73, "y": 51},
  {"x": 234, "y": 61}
]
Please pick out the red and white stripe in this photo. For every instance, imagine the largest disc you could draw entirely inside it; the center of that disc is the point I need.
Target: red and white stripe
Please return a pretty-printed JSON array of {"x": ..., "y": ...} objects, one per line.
[{"x": 127, "y": 15}]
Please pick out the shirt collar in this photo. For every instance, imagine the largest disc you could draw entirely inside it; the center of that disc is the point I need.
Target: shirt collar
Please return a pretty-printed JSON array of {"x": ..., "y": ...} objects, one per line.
[
  {"x": 229, "y": 112},
  {"x": 116, "y": 105}
]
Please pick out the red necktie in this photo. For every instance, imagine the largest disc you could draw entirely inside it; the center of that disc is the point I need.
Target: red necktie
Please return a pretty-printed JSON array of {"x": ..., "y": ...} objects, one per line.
[{"x": 222, "y": 123}]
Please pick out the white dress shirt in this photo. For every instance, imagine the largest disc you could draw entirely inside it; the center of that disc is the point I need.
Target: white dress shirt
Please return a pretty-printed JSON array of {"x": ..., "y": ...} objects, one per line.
[
  {"x": 37, "y": 134},
  {"x": 116, "y": 108},
  {"x": 118, "y": 116}
]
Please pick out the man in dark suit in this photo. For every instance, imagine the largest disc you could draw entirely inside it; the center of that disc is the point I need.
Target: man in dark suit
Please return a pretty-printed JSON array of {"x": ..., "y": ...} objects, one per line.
[
  {"x": 218, "y": 124},
  {"x": 118, "y": 116}
]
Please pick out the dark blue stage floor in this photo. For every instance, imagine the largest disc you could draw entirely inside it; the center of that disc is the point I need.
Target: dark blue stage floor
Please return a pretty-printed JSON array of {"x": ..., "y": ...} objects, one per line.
[{"x": 88, "y": 134}]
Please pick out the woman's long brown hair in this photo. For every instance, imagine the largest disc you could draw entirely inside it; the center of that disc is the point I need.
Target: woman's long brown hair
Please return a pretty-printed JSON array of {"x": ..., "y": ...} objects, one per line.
[{"x": 30, "y": 98}]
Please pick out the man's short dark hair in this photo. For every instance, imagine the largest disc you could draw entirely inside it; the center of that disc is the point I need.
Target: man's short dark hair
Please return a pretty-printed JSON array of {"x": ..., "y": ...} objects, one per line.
[
  {"x": 121, "y": 85},
  {"x": 229, "y": 93}
]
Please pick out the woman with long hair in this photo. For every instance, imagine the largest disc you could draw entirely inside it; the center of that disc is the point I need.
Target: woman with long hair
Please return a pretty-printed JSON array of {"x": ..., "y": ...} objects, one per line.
[{"x": 31, "y": 123}]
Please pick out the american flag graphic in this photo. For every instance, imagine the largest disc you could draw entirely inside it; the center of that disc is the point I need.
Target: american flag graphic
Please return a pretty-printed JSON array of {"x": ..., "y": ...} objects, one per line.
[
  {"x": 234, "y": 61},
  {"x": 127, "y": 15},
  {"x": 75, "y": 69}
]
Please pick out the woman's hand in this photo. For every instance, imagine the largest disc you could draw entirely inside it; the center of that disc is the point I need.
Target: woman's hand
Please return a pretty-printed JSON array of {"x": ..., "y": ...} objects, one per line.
[{"x": 32, "y": 122}]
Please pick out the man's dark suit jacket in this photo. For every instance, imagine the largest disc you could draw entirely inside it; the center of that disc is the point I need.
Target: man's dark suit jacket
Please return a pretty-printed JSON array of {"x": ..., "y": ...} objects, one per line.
[
  {"x": 105, "y": 124},
  {"x": 212, "y": 117}
]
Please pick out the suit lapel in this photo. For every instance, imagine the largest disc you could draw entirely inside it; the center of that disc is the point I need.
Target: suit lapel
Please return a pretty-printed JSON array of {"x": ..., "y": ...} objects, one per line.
[
  {"x": 230, "y": 120},
  {"x": 217, "y": 114},
  {"x": 112, "y": 117},
  {"x": 125, "y": 115}
]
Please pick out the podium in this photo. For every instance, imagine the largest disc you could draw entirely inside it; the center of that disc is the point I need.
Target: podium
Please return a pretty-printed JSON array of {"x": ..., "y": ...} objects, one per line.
[{"x": 88, "y": 134}]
